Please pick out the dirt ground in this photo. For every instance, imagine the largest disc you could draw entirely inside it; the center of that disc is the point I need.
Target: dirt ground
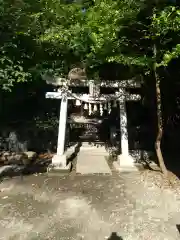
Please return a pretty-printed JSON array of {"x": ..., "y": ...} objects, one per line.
[{"x": 87, "y": 207}]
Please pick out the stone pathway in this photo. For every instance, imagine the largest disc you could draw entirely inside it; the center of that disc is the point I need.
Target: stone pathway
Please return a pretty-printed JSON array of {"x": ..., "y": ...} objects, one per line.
[
  {"x": 87, "y": 207},
  {"x": 92, "y": 160},
  {"x": 87, "y": 164}
]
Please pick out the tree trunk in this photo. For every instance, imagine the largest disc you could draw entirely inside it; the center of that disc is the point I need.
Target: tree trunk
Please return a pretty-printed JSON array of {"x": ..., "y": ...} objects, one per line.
[
  {"x": 159, "y": 131},
  {"x": 159, "y": 120}
]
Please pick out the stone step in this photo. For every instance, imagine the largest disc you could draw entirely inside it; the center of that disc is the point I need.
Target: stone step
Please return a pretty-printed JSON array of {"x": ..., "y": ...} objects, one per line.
[
  {"x": 89, "y": 145},
  {"x": 93, "y": 150},
  {"x": 93, "y": 153}
]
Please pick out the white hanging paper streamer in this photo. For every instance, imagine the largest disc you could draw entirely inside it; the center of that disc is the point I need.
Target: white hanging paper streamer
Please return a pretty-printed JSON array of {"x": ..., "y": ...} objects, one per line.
[
  {"x": 90, "y": 109},
  {"x": 85, "y": 106},
  {"x": 109, "y": 107},
  {"x": 78, "y": 103},
  {"x": 101, "y": 109},
  {"x": 114, "y": 103},
  {"x": 95, "y": 108}
]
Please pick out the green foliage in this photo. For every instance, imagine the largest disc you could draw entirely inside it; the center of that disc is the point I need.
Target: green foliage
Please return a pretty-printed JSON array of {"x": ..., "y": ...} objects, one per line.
[
  {"x": 93, "y": 36},
  {"x": 11, "y": 69},
  {"x": 11, "y": 72},
  {"x": 52, "y": 36},
  {"x": 166, "y": 32}
]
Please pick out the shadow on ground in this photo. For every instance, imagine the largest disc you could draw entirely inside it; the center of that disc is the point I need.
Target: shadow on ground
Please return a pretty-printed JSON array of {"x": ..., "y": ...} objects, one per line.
[
  {"x": 74, "y": 154},
  {"x": 114, "y": 236},
  {"x": 172, "y": 163},
  {"x": 178, "y": 227}
]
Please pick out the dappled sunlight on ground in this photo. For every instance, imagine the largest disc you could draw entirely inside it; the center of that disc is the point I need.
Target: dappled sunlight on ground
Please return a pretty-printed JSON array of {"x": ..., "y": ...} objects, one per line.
[{"x": 87, "y": 207}]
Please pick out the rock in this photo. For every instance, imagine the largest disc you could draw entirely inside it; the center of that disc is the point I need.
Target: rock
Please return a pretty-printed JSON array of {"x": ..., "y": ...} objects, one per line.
[
  {"x": 28, "y": 157},
  {"x": 6, "y": 154},
  {"x": 30, "y": 154},
  {"x": 18, "y": 158},
  {"x": 15, "y": 159},
  {"x": 2, "y": 159},
  {"x": 10, "y": 159}
]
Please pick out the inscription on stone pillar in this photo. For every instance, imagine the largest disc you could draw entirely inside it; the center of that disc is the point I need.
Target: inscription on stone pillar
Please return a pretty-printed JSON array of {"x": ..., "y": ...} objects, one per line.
[
  {"x": 62, "y": 125},
  {"x": 123, "y": 123},
  {"x": 94, "y": 89}
]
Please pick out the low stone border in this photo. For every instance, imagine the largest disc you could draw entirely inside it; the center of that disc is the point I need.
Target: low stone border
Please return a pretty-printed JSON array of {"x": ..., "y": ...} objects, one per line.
[{"x": 17, "y": 158}]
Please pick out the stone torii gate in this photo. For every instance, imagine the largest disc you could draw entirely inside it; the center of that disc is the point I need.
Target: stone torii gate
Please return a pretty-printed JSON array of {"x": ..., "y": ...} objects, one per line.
[{"x": 59, "y": 161}]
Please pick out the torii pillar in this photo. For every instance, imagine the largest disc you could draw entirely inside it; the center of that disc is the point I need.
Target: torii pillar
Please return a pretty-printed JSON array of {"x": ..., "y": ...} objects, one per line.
[
  {"x": 125, "y": 160},
  {"x": 59, "y": 160}
]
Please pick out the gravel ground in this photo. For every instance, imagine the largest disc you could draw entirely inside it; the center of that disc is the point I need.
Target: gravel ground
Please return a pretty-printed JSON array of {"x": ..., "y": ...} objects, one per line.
[{"x": 88, "y": 207}]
